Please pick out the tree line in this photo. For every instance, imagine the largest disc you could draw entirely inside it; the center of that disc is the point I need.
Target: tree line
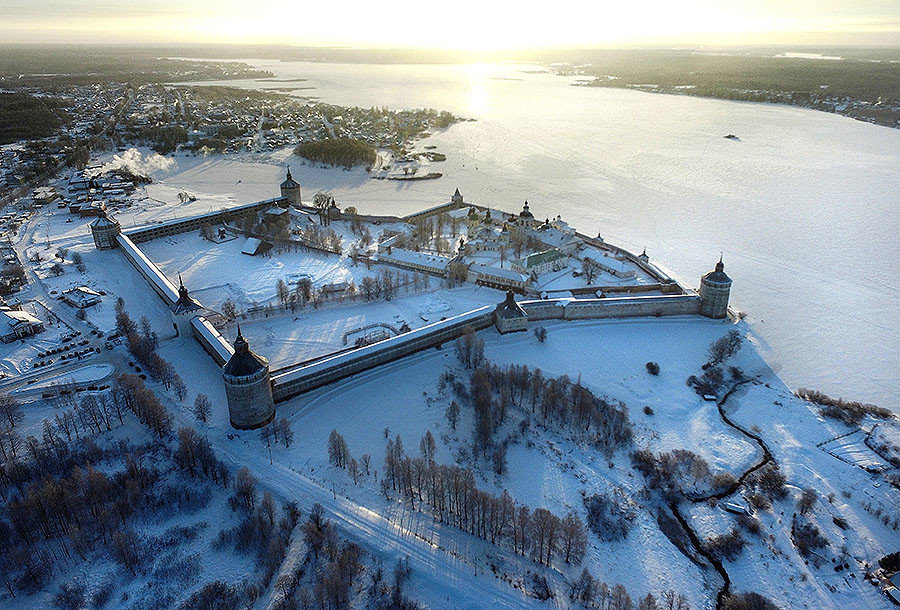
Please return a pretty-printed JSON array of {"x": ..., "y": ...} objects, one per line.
[{"x": 455, "y": 499}]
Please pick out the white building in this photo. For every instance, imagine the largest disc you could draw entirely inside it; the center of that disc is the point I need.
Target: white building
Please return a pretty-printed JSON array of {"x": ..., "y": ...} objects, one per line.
[
  {"x": 16, "y": 324},
  {"x": 541, "y": 262},
  {"x": 81, "y": 297}
]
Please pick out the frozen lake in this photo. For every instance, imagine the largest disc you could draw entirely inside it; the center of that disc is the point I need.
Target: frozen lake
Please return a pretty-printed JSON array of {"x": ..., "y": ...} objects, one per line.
[{"x": 804, "y": 207}]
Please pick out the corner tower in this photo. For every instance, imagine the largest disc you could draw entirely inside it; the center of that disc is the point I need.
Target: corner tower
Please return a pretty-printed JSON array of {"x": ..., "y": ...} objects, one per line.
[
  {"x": 715, "y": 288},
  {"x": 290, "y": 190},
  {"x": 105, "y": 230},
  {"x": 248, "y": 387}
]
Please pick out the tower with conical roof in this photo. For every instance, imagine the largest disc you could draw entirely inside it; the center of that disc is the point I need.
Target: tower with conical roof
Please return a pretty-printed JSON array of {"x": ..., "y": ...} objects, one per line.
[
  {"x": 248, "y": 387},
  {"x": 183, "y": 310},
  {"x": 290, "y": 190},
  {"x": 105, "y": 230},
  {"x": 715, "y": 288},
  {"x": 457, "y": 198}
]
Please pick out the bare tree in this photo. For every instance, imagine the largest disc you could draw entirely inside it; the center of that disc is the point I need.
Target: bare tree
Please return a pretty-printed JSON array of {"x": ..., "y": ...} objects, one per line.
[{"x": 202, "y": 407}]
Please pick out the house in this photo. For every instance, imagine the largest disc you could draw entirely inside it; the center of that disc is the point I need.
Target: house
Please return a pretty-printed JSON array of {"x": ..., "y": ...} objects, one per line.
[
  {"x": 541, "y": 262},
  {"x": 81, "y": 297},
  {"x": 551, "y": 237},
  {"x": 15, "y": 324},
  {"x": 418, "y": 261},
  {"x": 254, "y": 246},
  {"x": 495, "y": 277},
  {"x": 509, "y": 316},
  {"x": 613, "y": 266}
]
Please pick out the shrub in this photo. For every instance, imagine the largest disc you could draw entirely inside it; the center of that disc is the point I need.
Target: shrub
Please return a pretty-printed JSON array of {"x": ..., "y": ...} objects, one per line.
[
  {"x": 215, "y": 595},
  {"x": 890, "y": 563},
  {"x": 759, "y": 501},
  {"x": 750, "y": 524},
  {"x": 772, "y": 482},
  {"x": 849, "y": 412},
  {"x": 727, "y": 546},
  {"x": 648, "y": 410},
  {"x": 807, "y": 537},
  {"x": 609, "y": 518},
  {"x": 748, "y": 601},
  {"x": 653, "y": 368}
]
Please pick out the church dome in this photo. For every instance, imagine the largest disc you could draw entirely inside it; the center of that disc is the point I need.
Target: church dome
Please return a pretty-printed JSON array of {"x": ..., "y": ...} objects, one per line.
[{"x": 526, "y": 213}]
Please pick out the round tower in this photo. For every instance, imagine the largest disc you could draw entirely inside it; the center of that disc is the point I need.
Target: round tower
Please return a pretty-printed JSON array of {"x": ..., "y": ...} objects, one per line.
[
  {"x": 184, "y": 310},
  {"x": 104, "y": 230},
  {"x": 457, "y": 198},
  {"x": 715, "y": 287},
  {"x": 290, "y": 190},
  {"x": 248, "y": 387}
]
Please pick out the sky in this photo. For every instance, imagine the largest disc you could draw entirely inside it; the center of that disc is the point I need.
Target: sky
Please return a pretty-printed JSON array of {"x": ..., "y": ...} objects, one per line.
[{"x": 457, "y": 24}]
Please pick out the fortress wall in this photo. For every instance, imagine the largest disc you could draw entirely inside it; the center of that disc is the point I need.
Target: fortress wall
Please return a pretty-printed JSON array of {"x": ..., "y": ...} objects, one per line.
[
  {"x": 292, "y": 382},
  {"x": 440, "y": 209},
  {"x": 150, "y": 272},
  {"x": 618, "y": 307},
  {"x": 193, "y": 223},
  {"x": 211, "y": 340}
]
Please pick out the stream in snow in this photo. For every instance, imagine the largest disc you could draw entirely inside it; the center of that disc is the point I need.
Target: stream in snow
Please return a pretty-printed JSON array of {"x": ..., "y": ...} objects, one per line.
[{"x": 804, "y": 206}]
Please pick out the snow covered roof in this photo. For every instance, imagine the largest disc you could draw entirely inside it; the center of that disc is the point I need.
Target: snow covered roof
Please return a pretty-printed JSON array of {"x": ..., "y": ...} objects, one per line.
[
  {"x": 499, "y": 272},
  {"x": 289, "y": 181},
  {"x": 215, "y": 340},
  {"x": 184, "y": 304},
  {"x": 103, "y": 222},
  {"x": 412, "y": 257},
  {"x": 251, "y": 246},
  {"x": 15, "y": 317},
  {"x": 609, "y": 262}
]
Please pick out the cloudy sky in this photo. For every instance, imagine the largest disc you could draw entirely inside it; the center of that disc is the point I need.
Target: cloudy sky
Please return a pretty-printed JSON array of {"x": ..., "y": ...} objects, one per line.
[{"x": 455, "y": 24}]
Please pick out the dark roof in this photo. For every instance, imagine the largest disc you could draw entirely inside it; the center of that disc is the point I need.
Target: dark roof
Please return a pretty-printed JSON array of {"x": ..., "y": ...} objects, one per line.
[
  {"x": 718, "y": 275},
  {"x": 244, "y": 362},
  {"x": 103, "y": 221},
  {"x": 185, "y": 303},
  {"x": 509, "y": 308},
  {"x": 289, "y": 182},
  {"x": 526, "y": 213}
]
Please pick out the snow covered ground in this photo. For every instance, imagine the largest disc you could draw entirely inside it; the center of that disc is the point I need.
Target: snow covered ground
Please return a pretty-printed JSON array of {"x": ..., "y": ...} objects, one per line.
[
  {"x": 547, "y": 470},
  {"x": 803, "y": 207}
]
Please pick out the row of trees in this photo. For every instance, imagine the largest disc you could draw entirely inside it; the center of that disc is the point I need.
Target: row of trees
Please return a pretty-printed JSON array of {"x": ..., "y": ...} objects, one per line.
[
  {"x": 559, "y": 401},
  {"x": 455, "y": 499},
  {"x": 142, "y": 346}
]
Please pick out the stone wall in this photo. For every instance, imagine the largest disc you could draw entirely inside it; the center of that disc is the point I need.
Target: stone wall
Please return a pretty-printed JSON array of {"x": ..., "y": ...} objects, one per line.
[
  {"x": 618, "y": 307},
  {"x": 150, "y": 272},
  {"x": 291, "y": 382},
  {"x": 193, "y": 223}
]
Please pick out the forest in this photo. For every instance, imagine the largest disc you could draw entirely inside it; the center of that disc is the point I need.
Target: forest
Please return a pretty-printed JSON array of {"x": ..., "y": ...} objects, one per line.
[
  {"x": 338, "y": 151},
  {"x": 26, "y": 117}
]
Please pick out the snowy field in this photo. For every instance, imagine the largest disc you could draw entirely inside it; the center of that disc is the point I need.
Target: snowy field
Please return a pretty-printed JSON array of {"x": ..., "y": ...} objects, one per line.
[
  {"x": 547, "y": 470},
  {"x": 803, "y": 206},
  {"x": 309, "y": 333}
]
